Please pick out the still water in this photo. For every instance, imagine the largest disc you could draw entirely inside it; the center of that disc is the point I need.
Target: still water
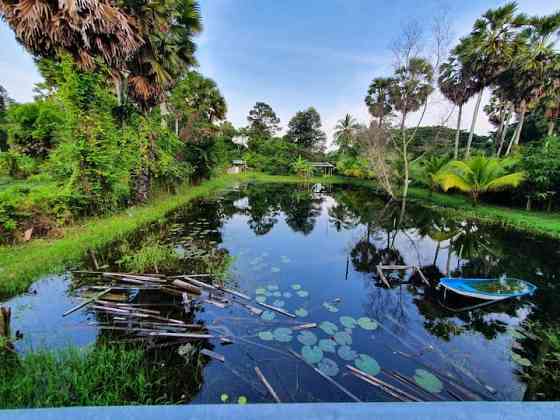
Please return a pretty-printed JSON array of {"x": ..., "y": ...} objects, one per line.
[{"x": 313, "y": 250}]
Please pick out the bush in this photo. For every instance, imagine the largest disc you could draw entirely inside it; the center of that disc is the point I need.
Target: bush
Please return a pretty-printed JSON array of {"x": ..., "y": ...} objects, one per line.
[
  {"x": 33, "y": 126},
  {"x": 273, "y": 156}
]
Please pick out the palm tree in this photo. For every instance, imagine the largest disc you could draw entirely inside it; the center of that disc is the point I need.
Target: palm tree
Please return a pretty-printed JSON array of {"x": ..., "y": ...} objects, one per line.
[
  {"x": 345, "y": 131},
  {"x": 427, "y": 171},
  {"x": 488, "y": 51},
  {"x": 168, "y": 28},
  {"x": 480, "y": 175},
  {"x": 84, "y": 29},
  {"x": 378, "y": 98},
  {"x": 454, "y": 84},
  {"x": 409, "y": 91}
]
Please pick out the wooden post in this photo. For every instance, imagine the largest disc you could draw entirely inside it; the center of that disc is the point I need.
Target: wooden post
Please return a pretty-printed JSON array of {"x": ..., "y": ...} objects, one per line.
[
  {"x": 382, "y": 276},
  {"x": 5, "y": 318}
]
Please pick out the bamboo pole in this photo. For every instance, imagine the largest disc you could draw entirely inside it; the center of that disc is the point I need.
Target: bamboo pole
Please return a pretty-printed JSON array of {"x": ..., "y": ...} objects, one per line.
[
  {"x": 326, "y": 377},
  {"x": 381, "y": 383},
  {"x": 382, "y": 277},
  {"x": 274, "y": 308},
  {"x": 267, "y": 385},
  {"x": 86, "y": 302}
]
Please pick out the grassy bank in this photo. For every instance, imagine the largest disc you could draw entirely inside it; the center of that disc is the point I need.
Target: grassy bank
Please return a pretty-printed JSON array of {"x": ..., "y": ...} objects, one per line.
[
  {"x": 76, "y": 377},
  {"x": 20, "y": 265}
]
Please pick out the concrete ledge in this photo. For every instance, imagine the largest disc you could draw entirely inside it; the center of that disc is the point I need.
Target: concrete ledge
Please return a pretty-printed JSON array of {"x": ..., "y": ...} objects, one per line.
[{"x": 330, "y": 411}]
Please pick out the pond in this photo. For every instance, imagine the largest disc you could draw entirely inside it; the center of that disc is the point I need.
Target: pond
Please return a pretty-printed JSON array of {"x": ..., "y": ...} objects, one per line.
[{"x": 312, "y": 250}]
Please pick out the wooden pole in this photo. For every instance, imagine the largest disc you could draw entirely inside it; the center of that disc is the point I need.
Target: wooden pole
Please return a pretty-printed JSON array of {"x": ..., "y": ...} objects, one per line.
[
  {"x": 86, "y": 302},
  {"x": 382, "y": 276},
  {"x": 267, "y": 385}
]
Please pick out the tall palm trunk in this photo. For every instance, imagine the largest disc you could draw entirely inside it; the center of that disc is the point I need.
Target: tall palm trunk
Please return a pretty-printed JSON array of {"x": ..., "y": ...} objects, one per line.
[
  {"x": 504, "y": 131},
  {"x": 517, "y": 134},
  {"x": 458, "y": 132},
  {"x": 473, "y": 124},
  {"x": 551, "y": 125},
  {"x": 177, "y": 125}
]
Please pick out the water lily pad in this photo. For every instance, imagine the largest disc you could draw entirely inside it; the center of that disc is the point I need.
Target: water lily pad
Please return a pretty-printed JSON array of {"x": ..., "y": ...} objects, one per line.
[
  {"x": 330, "y": 307},
  {"x": 242, "y": 400},
  {"x": 343, "y": 338},
  {"x": 428, "y": 381},
  {"x": 312, "y": 354},
  {"x": 287, "y": 295},
  {"x": 520, "y": 360},
  {"x": 274, "y": 270},
  {"x": 272, "y": 287},
  {"x": 367, "y": 323},
  {"x": 268, "y": 315},
  {"x": 348, "y": 321},
  {"x": 279, "y": 303},
  {"x": 328, "y": 367},
  {"x": 261, "y": 299},
  {"x": 266, "y": 335},
  {"x": 328, "y": 327},
  {"x": 302, "y": 293},
  {"x": 367, "y": 364},
  {"x": 296, "y": 286},
  {"x": 284, "y": 335},
  {"x": 327, "y": 345},
  {"x": 268, "y": 294},
  {"x": 346, "y": 353},
  {"x": 307, "y": 338},
  {"x": 285, "y": 259},
  {"x": 301, "y": 312},
  {"x": 260, "y": 291},
  {"x": 224, "y": 398},
  {"x": 277, "y": 294}
]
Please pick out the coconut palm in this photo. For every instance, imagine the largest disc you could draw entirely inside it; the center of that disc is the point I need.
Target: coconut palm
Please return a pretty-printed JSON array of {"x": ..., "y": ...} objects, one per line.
[
  {"x": 428, "y": 170},
  {"x": 488, "y": 51},
  {"x": 378, "y": 98},
  {"x": 480, "y": 175},
  {"x": 345, "y": 132},
  {"x": 454, "y": 84},
  {"x": 84, "y": 29}
]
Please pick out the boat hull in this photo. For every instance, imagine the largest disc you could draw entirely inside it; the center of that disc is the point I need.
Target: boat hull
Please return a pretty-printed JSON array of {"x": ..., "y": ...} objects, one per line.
[{"x": 496, "y": 289}]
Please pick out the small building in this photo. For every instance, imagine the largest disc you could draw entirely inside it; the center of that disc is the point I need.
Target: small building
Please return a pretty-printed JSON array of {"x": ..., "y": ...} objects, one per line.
[
  {"x": 326, "y": 168},
  {"x": 237, "y": 166}
]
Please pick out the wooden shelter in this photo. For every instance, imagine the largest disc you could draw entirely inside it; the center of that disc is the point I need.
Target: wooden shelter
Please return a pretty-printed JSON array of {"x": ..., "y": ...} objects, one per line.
[{"x": 325, "y": 167}]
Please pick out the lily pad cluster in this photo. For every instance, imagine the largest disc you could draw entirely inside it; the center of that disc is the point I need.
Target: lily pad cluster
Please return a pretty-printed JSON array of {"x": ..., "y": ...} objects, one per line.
[
  {"x": 428, "y": 381},
  {"x": 282, "y": 335},
  {"x": 262, "y": 293}
]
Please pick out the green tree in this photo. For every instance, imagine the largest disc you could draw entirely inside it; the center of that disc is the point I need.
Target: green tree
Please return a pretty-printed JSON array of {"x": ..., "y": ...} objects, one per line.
[
  {"x": 378, "y": 98},
  {"x": 196, "y": 100},
  {"x": 304, "y": 130},
  {"x": 480, "y": 175},
  {"x": 263, "y": 121},
  {"x": 487, "y": 51},
  {"x": 454, "y": 84},
  {"x": 541, "y": 162},
  {"x": 33, "y": 127},
  {"x": 4, "y": 102},
  {"x": 167, "y": 28},
  {"x": 427, "y": 171},
  {"x": 409, "y": 92},
  {"x": 345, "y": 133}
]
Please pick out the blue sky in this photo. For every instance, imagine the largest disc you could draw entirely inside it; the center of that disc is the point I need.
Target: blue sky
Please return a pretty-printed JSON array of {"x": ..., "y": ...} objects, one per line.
[{"x": 294, "y": 54}]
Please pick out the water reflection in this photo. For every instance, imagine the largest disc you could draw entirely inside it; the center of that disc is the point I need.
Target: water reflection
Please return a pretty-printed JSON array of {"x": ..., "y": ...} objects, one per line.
[{"x": 331, "y": 241}]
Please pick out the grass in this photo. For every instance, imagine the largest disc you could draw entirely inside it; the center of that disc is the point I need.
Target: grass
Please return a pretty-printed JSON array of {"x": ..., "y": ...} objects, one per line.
[
  {"x": 76, "y": 377},
  {"x": 20, "y": 265}
]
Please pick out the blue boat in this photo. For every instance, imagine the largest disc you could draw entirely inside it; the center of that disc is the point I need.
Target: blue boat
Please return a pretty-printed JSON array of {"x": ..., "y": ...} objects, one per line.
[{"x": 488, "y": 289}]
